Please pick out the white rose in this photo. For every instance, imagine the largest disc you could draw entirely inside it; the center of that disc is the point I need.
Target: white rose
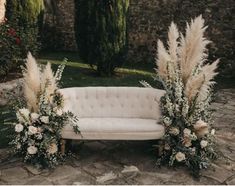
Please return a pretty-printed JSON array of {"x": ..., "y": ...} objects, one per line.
[
  {"x": 52, "y": 148},
  {"x": 187, "y": 142},
  {"x": 44, "y": 119},
  {"x": 19, "y": 128},
  {"x": 32, "y": 150},
  {"x": 34, "y": 116},
  {"x": 200, "y": 124},
  {"x": 187, "y": 131},
  {"x": 203, "y": 143},
  {"x": 32, "y": 130},
  {"x": 59, "y": 112},
  {"x": 174, "y": 131},
  {"x": 23, "y": 115},
  {"x": 213, "y": 132},
  {"x": 201, "y": 128},
  {"x": 180, "y": 156}
]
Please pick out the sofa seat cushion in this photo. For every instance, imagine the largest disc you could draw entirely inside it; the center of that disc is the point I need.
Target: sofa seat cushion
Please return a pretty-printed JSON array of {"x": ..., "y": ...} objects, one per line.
[{"x": 115, "y": 128}]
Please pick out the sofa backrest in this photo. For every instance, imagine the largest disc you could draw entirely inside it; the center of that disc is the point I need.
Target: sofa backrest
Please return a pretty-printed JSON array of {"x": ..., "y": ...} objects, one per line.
[{"x": 120, "y": 102}]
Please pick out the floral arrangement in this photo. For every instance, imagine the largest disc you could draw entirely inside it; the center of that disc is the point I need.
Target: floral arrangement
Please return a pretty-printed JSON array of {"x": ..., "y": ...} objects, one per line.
[
  {"x": 186, "y": 115},
  {"x": 41, "y": 117}
]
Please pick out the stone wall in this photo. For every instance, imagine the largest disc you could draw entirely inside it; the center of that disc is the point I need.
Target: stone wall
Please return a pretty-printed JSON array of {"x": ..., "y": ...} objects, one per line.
[
  {"x": 149, "y": 21},
  {"x": 58, "y": 28}
]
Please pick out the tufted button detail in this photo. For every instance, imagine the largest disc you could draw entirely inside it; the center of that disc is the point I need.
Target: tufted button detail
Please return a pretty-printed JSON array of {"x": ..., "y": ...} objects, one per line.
[
  {"x": 122, "y": 105},
  {"x": 102, "y": 105},
  {"x": 111, "y": 105}
]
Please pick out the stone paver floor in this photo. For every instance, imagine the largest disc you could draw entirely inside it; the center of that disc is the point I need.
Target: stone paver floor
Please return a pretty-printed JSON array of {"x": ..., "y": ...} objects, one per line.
[{"x": 126, "y": 162}]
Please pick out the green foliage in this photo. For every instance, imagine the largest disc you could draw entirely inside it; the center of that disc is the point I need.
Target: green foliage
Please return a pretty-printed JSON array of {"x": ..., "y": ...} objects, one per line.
[
  {"x": 10, "y": 47},
  {"x": 101, "y": 33},
  {"x": 27, "y": 15}
]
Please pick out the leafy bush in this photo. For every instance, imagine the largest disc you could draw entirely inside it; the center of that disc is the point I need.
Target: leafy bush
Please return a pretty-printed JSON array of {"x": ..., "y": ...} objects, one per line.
[
  {"x": 10, "y": 47},
  {"x": 101, "y": 33},
  {"x": 27, "y": 16},
  {"x": 19, "y": 32}
]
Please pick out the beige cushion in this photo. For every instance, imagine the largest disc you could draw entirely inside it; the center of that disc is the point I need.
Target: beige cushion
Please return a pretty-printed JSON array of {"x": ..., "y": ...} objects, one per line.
[
  {"x": 114, "y": 112},
  {"x": 115, "y": 128}
]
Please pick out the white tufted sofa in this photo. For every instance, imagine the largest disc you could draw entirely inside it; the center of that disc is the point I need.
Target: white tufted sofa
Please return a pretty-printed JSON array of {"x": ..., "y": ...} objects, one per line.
[{"x": 113, "y": 113}]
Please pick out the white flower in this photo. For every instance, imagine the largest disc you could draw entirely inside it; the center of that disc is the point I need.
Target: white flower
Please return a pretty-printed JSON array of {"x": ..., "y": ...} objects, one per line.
[
  {"x": 18, "y": 146},
  {"x": 19, "y": 127},
  {"x": 203, "y": 143},
  {"x": 167, "y": 146},
  {"x": 193, "y": 150},
  {"x": 32, "y": 150},
  {"x": 180, "y": 156},
  {"x": 34, "y": 116},
  {"x": 52, "y": 148},
  {"x": 23, "y": 115},
  {"x": 187, "y": 131},
  {"x": 187, "y": 141},
  {"x": 44, "y": 119},
  {"x": 167, "y": 121},
  {"x": 32, "y": 130},
  {"x": 213, "y": 132},
  {"x": 59, "y": 112},
  {"x": 39, "y": 136},
  {"x": 40, "y": 130},
  {"x": 201, "y": 128},
  {"x": 174, "y": 131},
  {"x": 200, "y": 124}
]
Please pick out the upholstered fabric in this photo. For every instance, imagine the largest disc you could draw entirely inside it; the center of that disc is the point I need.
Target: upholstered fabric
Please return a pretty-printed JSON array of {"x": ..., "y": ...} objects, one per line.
[
  {"x": 114, "y": 112},
  {"x": 107, "y": 128}
]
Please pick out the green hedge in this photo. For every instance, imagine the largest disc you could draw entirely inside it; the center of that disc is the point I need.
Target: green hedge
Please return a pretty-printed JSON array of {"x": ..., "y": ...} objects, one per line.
[{"x": 101, "y": 33}]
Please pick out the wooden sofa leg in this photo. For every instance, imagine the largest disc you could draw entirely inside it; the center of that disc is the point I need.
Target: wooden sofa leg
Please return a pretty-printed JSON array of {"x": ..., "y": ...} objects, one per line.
[{"x": 62, "y": 143}]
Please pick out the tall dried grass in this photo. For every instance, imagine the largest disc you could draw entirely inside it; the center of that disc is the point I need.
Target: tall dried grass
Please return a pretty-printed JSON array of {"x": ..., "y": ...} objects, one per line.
[
  {"x": 188, "y": 56},
  {"x": 31, "y": 87},
  {"x": 36, "y": 82}
]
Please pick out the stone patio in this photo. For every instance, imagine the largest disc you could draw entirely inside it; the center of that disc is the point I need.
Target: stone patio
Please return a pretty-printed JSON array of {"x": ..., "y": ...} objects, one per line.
[{"x": 128, "y": 162}]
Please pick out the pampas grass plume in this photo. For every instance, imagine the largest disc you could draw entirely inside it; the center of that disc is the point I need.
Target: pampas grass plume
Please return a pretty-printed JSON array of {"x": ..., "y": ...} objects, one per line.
[
  {"x": 192, "y": 51},
  {"x": 31, "y": 86},
  {"x": 48, "y": 80}
]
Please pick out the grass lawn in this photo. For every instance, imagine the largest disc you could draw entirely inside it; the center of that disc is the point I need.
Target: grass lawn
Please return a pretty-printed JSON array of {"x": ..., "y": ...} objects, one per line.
[{"x": 79, "y": 74}]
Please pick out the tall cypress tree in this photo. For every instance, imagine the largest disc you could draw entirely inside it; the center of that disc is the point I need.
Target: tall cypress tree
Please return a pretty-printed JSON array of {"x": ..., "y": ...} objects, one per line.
[{"x": 101, "y": 32}]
